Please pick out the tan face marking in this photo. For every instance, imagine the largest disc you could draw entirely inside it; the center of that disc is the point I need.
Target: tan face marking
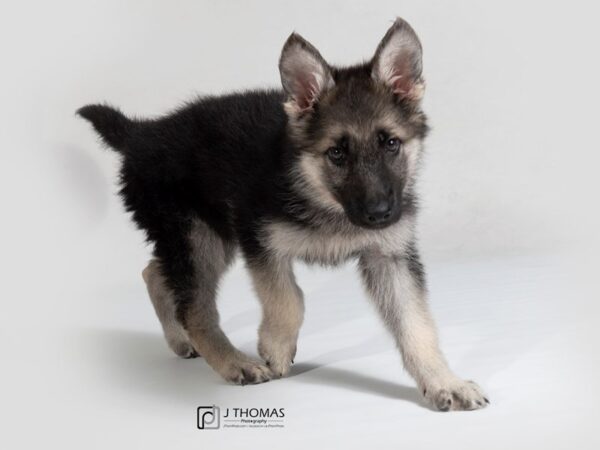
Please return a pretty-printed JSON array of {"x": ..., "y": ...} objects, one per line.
[{"x": 309, "y": 177}]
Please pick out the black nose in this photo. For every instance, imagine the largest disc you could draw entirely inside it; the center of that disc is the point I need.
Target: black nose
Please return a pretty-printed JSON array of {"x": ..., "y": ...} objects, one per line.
[{"x": 378, "y": 212}]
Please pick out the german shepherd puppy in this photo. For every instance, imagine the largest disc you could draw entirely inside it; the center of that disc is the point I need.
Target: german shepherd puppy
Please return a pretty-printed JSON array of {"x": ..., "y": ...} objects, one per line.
[{"x": 323, "y": 171}]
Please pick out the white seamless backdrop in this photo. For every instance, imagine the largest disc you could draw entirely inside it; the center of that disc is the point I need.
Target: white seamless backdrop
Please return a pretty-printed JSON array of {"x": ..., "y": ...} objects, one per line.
[{"x": 508, "y": 228}]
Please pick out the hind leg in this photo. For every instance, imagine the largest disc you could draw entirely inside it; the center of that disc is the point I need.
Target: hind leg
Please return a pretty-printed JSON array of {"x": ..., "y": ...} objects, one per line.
[
  {"x": 193, "y": 267},
  {"x": 164, "y": 305}
]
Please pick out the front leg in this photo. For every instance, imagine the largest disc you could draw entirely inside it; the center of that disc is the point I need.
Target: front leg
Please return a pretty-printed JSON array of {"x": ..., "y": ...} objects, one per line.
[
  {"x": 396, "y": 284},
  {"x": 283, "y": 311}
]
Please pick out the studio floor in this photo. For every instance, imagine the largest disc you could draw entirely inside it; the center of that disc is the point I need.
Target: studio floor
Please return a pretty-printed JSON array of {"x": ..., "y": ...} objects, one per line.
[{"x": 509, "y": 324}]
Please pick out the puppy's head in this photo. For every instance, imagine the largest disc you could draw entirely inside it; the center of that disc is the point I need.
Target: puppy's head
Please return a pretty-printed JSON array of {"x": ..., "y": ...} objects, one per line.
[{"x": 358, "y": 129}]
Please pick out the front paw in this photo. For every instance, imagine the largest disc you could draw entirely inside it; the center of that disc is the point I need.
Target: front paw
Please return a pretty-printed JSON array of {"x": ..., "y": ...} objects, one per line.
[
  {"x": 455, "y": 395},
  {"x": 277, "y": 354},
  {"x": 241, "y": 369}
]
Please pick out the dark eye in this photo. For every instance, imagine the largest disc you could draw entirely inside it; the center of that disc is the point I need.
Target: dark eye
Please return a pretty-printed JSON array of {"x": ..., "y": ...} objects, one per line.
[
  {"x": 336, "y": 155},
  {"x": 392, "y": 145}
]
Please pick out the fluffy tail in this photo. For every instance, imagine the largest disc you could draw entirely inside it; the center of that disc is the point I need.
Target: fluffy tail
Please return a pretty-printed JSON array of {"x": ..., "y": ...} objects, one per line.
[{"x": 110, "y": 123}]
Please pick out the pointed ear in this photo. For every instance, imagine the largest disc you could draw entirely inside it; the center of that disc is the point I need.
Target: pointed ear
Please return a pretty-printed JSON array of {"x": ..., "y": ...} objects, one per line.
[
  {"x": 304, "y": 73},
  {"x": 398, "y": 61}
]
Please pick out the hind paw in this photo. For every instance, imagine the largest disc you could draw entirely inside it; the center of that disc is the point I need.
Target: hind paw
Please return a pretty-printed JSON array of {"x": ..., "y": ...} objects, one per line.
[{"x": 184, "y": 350}]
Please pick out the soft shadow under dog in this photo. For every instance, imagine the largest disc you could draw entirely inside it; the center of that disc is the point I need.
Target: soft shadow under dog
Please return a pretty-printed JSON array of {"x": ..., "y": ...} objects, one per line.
[
  {"x": 355, "y": 381},
  {"x": 140, "y": 361}
]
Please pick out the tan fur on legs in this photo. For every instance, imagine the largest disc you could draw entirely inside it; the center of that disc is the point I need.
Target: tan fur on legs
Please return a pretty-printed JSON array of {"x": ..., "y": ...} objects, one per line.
[
  {"x": 401, "y": 300},
  {"x": 283, "y": 313},
  {"x": 162, "y": 299},
  {"x": 211, "y": 257}
]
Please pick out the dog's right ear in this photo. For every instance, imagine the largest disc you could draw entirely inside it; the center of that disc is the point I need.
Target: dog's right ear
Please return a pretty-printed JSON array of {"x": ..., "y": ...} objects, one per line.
[{"x": 304, "y": 73}]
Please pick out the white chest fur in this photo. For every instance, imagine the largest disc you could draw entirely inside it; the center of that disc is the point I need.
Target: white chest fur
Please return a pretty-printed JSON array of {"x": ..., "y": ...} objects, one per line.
[{"x": 331, "y": 248}]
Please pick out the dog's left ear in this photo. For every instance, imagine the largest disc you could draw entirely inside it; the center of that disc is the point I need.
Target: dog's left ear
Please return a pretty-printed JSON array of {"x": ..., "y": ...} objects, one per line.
[
  {"x": 304, "y": 73},
  {"x": 398, "y": 62}
]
